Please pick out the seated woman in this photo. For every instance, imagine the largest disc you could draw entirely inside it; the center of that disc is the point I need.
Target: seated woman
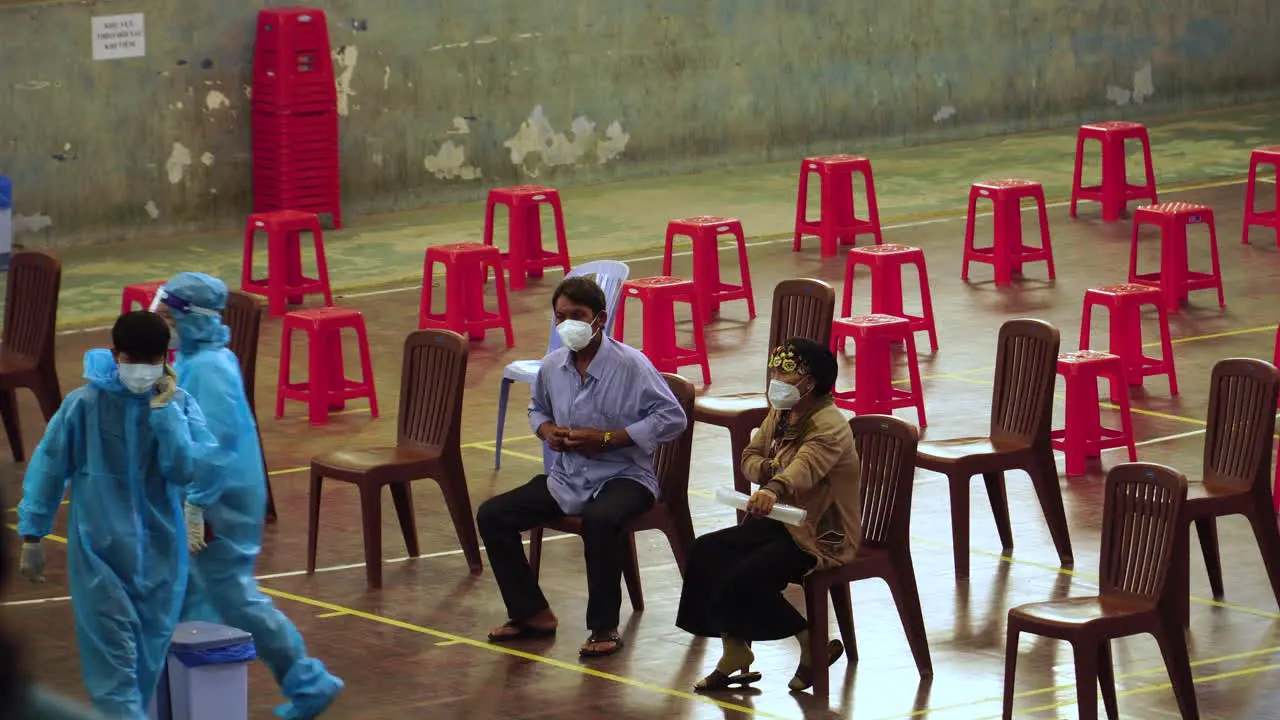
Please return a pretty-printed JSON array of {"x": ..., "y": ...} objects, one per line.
[{"x": 803, "y": 455}]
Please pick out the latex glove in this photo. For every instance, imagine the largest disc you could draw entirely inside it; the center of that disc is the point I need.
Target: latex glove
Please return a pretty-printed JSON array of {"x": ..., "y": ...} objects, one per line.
[
  {"x": 166, "y": 386},
  {"x": 31, "y": 566},
  {"x": 195, "y": 527}
]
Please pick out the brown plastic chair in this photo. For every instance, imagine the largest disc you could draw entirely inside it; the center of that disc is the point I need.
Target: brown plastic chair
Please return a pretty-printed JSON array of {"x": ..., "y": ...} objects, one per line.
[
  {"x": 887, "y": 451},
  {"x": 1021, "y": 420},
  {"x": 1141, "y": 527},
  {"x": 802, "y": 307},
  {"x": 243, "y": 317},
  {"x": 26, "y": 347},
  {"x": 670, "y": 513},
  {"x": 1237, "y": 466},
  {"x": 428, "y": 445}
]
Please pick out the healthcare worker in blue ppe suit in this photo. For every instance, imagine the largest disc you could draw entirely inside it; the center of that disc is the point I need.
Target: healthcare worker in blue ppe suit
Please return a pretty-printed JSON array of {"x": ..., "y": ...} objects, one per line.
[
  {"x": 126, "y": 443},
  {"x": 222, "y": 586}
]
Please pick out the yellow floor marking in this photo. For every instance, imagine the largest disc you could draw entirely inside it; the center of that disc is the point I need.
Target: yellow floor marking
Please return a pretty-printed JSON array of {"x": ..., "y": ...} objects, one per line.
[
  {"x": 1149, "y": 689},
  {"x": 560, "y": 664},
  {"x": 331, "y": 615},
  {"x": 1059, "y": 688}
]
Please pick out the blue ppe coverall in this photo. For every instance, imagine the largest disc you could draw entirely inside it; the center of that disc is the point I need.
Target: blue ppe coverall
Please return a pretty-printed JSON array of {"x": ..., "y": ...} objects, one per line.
[
  {"x": 222, "y": 587},
  {"x": 126, "y": 465}
]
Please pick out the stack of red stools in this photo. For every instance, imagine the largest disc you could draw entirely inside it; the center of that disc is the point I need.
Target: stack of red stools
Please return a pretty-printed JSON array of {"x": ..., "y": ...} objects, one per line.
[{"x": 295, "y": 115}]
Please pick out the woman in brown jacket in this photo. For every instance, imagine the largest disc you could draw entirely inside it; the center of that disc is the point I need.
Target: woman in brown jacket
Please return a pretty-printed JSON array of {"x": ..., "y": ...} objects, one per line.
[{"x": 803, "y": 455}]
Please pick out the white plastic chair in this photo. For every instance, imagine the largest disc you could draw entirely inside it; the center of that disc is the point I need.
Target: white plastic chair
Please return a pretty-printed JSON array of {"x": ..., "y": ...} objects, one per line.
[{"x": 609, "y": 275}]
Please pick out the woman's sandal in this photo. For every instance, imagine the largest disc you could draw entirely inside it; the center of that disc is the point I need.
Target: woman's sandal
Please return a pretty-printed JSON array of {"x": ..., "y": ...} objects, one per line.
[
  {"x": 612, "y": 639},
  {"x": 719, "y": 682},
  {"x": 803, "y": 679},
  {"x": 522, "y": 632}
]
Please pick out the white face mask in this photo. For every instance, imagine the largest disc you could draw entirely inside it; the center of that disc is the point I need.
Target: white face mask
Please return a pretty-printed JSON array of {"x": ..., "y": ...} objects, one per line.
[
  {"x": 575, "y": 334},
  {"x": 783, "y": 396},
  {"x": 138, "y": 378}
]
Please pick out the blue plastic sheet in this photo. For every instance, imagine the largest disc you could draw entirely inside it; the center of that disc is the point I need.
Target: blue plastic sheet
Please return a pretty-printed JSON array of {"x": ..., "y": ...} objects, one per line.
[
  {"x": 225, "y": 655},
  {"x": 6, "y": 192}
]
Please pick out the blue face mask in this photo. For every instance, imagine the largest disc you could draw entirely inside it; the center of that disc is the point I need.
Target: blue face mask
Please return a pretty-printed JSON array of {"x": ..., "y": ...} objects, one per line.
[{"x": 139, "y": 378}]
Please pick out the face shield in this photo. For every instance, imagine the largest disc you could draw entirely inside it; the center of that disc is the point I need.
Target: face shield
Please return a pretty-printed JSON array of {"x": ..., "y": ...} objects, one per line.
[{"x": 174, "y": 302}]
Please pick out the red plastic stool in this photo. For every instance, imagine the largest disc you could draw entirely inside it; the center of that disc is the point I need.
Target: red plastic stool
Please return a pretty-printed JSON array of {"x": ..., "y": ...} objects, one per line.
[
  {"x": 284, "y": 282},
  {"x": 659, "y": 295},
  {"x": 1124, "y": 304},
  {"x": 1083, "y": 435},
  {"x": 1174, "y": 279},
  {"x": 873, "y": 340},
  {"x": 141, "y": 295},
  {"x": 525, "y": 256},
  {"x": 886, "y": 263},
  {"x": 327, "y": 387},
  {"x": 466, "y": 270},
  {"x": 1115, "y": 192},
  {"x": 1006, "y": 254},
  {"x": 837, "y": 224},
  {"x": 1262, "y": 156},
  {"x": 704, "y": 234}
]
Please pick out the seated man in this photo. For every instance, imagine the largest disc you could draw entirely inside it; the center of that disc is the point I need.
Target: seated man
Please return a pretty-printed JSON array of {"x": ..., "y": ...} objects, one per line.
[
  {"x": 804, "y": 455},
  {"x": 605, "y": 409}
]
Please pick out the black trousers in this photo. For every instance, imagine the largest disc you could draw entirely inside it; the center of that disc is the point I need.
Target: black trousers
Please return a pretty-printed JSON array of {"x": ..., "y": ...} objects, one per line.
[
  {"x": 733, "y": 583},
  {"x": 502, "y": 518}
]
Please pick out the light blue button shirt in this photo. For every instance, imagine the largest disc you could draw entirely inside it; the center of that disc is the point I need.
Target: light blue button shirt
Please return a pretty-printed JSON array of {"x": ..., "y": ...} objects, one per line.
[{"x": 621, "y": 390}]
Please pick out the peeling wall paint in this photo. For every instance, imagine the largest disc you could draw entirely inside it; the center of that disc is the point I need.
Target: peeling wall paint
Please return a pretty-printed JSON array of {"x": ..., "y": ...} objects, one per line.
[
  {"x": 178, "y": 162},
  {"x": 31, "y": 223},
  {"x": 344, "y": 68},
  {"x": 537, "y": 144},
  {"x": 215, "y": 100},
  {"x": 153, "y": 211},
  {"x": 450, "y": 162},
  {"x": 1143, "y": 88},
  {"x": 492, "y": 93}
]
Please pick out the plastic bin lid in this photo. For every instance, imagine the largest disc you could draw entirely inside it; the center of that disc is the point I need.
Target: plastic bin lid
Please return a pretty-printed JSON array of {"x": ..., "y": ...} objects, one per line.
[{"x": 190, "y": 637}]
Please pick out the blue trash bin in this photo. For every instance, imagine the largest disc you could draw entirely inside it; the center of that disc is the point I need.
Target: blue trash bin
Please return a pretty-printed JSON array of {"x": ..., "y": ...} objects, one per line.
[
  {"x": 208, "y": 674},
  {"x": 6, "y": 221}
]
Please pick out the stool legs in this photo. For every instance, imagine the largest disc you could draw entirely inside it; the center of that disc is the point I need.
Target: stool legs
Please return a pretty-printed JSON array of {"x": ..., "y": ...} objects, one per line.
[
  {"x": 926, "y": 299},
  {"x": 1045, "y": 242},
  {"x": 802, "y": 207}
]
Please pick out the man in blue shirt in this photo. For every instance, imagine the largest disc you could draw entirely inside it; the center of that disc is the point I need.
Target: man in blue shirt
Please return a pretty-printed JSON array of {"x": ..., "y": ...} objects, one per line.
[{"x": 605, "y": 409}]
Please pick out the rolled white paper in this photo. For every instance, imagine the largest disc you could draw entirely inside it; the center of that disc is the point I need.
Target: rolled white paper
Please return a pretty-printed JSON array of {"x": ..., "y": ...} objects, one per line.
[{"x": 782, "y": 513}]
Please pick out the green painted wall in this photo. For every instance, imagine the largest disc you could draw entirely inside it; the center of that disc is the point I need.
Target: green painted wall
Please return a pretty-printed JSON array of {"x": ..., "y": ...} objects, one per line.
[{"x": 445, "y": 98}]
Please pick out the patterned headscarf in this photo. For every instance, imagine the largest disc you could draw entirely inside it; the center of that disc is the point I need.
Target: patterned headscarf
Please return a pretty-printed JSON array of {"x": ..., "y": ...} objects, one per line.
[{"x": 786, "y": 359}]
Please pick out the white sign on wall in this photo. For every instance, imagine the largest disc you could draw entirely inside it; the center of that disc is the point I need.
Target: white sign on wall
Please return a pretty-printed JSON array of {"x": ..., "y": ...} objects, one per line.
[{"x": 119, "y": 36}]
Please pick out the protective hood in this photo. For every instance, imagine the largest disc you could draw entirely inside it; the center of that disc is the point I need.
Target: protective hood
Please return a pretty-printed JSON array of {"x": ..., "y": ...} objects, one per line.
[
  {"x": 197, "y": 331},
  {"x": 102, "y": 372}
]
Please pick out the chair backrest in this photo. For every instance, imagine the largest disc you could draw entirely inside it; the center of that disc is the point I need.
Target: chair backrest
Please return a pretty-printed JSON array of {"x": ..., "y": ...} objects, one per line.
[
  {"x": 31, "y": 304},
  {"x": 1140, "y": 520},
  {"x": 243, "y": 317},
  {"x": 1026, "y": 369},
  {"x": 672, "y": 459},
  {"x": 432, "y": 380},
  {"x": 802, "y": 307},
  {"x": 609, "y": 275},
  {"x": 1241, "y": 421},
  {"x": 887, "y": 455}
]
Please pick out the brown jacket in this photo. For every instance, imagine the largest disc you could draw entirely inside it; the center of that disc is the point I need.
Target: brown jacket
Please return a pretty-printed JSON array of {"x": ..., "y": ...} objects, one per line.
[{"x": 818, "y": 470}]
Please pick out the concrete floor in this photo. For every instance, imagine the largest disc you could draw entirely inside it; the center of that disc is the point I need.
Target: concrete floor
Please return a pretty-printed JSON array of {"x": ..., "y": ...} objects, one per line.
[{"x": 417, "y": 645}]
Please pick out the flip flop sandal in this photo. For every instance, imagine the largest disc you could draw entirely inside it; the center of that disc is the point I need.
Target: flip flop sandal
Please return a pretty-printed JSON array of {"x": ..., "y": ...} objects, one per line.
[
  {"x": 522, "y": 632},
  {"x": 803, "y": 679},
  {"x": 601, "y": 639},
  {"x": 719, "y": 682}
]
